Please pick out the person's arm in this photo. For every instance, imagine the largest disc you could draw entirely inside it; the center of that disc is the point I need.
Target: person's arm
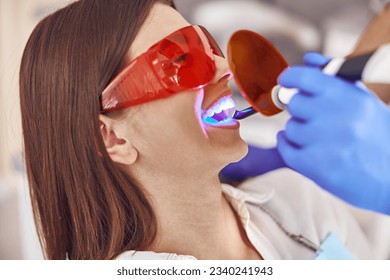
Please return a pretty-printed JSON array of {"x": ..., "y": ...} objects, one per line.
[{"x": 376, "y": 34}]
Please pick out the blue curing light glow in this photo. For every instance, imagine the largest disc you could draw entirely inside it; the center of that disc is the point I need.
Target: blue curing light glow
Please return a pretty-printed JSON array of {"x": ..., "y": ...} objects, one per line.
[{"x": 220, "y": 112}]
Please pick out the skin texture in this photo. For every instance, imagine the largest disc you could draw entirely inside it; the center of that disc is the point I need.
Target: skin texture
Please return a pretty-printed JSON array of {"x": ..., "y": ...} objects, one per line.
[{"x": 167, "y": 150}]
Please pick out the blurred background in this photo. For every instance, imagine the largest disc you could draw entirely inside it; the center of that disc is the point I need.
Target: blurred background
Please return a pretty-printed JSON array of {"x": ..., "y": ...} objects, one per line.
[{"x": 294, "y": 26}]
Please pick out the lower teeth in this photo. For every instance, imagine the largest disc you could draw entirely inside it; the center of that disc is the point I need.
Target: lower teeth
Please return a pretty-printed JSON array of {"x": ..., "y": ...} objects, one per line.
[{"x": 210, "y": 120}]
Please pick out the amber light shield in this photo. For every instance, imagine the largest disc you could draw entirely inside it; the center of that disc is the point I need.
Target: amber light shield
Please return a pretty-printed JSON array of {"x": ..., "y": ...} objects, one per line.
[{"x": 256, "y": 65}]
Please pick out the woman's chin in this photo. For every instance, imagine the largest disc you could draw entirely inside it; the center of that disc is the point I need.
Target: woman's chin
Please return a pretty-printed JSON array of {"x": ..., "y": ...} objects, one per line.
[
  {"x": 233, "y": 153},
  {"x": 240, "y": 152}
]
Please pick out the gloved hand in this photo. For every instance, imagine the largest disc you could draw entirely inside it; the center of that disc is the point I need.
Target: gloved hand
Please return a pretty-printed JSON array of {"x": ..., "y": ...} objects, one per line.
[
  {"x": 315, "y": 59},
  {"x": 257, "y": 161},
  {"x": 338, "y": 136}
]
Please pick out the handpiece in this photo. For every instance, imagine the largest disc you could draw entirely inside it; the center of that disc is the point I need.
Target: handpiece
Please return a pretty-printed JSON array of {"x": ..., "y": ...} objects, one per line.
[{"x": 373, "y": 67}]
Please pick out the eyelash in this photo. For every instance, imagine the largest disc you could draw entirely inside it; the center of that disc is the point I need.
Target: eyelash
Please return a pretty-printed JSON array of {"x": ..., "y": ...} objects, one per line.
[{"x": 181, "y": 58}]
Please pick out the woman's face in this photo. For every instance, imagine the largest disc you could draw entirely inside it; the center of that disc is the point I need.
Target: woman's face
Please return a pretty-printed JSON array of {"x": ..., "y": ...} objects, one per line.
[{"x": 169, "y": 133}]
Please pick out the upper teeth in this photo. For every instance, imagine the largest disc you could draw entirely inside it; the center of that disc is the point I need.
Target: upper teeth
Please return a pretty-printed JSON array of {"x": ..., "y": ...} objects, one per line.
[{"x": 224, "y": 103}]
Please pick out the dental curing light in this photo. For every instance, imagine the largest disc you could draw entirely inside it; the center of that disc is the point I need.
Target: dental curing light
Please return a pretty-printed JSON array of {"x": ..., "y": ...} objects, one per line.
[{"x": 256, "y": 65}]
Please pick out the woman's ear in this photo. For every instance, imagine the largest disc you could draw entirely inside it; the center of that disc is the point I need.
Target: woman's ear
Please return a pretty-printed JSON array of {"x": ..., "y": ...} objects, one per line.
[{"x": 120, "y": 149}]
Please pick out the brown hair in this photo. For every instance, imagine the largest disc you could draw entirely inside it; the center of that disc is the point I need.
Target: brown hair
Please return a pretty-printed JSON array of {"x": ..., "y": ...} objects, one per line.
[{"x": 84, "y": 206}]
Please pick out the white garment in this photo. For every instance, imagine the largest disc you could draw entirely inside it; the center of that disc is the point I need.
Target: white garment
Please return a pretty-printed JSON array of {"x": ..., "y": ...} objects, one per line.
[{"x": 280, "y": 203}]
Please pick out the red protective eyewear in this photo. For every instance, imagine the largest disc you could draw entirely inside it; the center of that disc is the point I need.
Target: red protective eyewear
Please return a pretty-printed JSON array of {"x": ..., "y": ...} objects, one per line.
[{"x": 183, "y": 60}]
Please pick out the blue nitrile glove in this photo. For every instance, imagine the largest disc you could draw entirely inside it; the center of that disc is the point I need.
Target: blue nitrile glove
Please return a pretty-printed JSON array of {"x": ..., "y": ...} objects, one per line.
[
  {"x": 338, "y": 136},
  {"x": 257, "y": 161},
  {"x": 315, "y": 59}
]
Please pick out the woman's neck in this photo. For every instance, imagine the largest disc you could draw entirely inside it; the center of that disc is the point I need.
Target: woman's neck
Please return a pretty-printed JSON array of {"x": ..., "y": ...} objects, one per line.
[{"x": 194, "y": 218}]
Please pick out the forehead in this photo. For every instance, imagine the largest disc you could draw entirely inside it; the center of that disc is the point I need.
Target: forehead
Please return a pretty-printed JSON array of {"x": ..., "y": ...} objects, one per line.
[{"x": 162, "y": 21}]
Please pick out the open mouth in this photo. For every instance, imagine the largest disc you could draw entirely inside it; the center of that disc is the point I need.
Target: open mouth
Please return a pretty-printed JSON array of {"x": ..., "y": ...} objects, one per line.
[{"x": 220, "y": 113}]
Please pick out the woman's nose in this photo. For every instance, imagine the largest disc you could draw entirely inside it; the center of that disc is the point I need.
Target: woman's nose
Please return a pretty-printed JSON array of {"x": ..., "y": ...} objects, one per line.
[{"x": 222, "y": 70}]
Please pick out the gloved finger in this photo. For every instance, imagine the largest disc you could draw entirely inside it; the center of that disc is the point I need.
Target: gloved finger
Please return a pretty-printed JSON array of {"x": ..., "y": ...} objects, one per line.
[
  {"x": 315, "y": 59},
  {"x": 304, "y": 134},
  {"x": 313, "y": 81},
  {"x": 297, "y": 133},
  {"x": 298, "y": 159},
  {"x": 288, "y": 151},
  {"x": 304, "y": 107}
]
